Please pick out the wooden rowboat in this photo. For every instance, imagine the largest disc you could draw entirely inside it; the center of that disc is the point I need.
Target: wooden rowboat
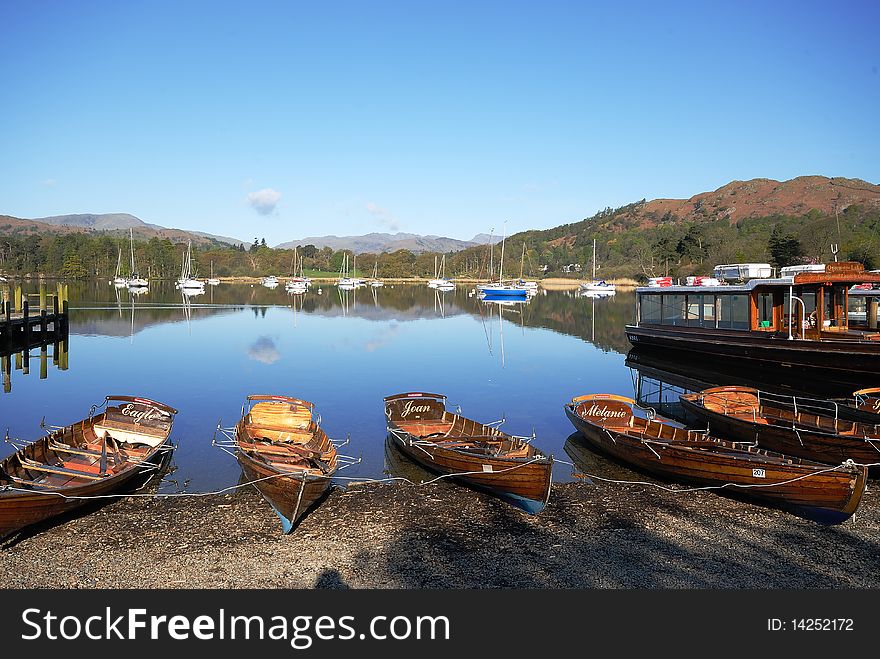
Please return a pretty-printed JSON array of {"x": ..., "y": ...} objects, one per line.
[
  {"x": 284, "y": 452},
  {"x": 477, "y": 454},
  {"x": 100, "y": 455},
  {"x": 824, "y": 493},
  {"x": 746, "y": 414}
]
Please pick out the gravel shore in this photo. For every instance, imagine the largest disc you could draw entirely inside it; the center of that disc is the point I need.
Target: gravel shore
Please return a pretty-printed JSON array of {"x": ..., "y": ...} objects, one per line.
[{"x": 392, "y": 535}]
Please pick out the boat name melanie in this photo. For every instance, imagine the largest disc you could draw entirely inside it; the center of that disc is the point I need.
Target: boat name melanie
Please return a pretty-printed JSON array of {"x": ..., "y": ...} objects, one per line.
[{"x": 606, "y": 412}]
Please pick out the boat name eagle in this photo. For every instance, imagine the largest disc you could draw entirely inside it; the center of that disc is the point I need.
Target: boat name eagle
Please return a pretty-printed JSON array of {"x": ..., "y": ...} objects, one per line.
[{"x": 140, "y": 414}]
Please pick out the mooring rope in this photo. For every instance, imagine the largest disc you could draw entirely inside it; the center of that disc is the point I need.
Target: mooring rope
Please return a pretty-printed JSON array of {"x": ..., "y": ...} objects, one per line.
[
  {"x": 682, "y": 490},
  {"x": 357, "y": 479}
]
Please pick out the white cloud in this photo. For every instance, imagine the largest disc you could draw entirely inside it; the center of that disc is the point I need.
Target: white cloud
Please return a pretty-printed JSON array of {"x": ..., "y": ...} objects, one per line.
[
  {"x": 263, "y": 350},
  {"x": 382, "y": 216},
  {"x": 50, "y": 182},
  {"x": 264, "y": 201}
]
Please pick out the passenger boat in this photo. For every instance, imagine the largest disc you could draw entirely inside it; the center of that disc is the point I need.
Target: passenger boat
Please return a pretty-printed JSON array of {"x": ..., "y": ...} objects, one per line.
[
  {"x": 102, "y": 454},
  {"x": 799, "y": 320},
  {"x": 284, "y": 452},
  {"x": 474, "y": 453},
  {"x": 824, "y": 493},
  {"x": 807, "y": 431}
]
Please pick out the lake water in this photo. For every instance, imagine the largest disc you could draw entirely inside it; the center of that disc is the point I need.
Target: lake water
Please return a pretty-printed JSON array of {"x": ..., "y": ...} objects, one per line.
[{"x": 344, "y": 351}]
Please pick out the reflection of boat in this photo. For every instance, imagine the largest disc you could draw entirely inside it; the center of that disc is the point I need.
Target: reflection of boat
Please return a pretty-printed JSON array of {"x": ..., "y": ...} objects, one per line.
[
  {"x": 800, "y": 320},
  {"x": 474, "y": 453},
  {"x": 803, "y": 428},
  {"x": 400, "y": 466},
  {"x": 97, "y": 456},
  {"x": 285, "y": 453},
  {"x": 827, "y": 494},
  {"x": 596, "y": 285}
]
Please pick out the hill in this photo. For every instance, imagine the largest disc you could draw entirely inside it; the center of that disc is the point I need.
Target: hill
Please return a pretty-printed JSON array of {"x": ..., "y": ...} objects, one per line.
[
  {"x": 115, "y": 224},
  {"x": 731, "y": 224},
  {"x": 383, "y": 243}
]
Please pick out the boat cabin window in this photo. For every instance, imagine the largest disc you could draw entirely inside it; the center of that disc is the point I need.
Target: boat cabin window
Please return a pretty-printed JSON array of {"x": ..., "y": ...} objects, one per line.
[
  {"x": 649, "y": 308},
  {"x": 857, "y": 313},
  {"x": 734, "y": 312},
  {"x": 835, "y": 301},
  {"x": 674, "y": 310},
  {"x": 701, "y": 310}
]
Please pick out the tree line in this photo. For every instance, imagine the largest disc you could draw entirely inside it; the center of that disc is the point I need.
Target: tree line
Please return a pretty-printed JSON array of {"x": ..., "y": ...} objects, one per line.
[{"x": 669, "y": 248}]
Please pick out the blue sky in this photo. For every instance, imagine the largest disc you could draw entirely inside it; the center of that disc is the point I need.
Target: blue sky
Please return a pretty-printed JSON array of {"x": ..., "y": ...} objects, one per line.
[{"x": 289, "y": 119}]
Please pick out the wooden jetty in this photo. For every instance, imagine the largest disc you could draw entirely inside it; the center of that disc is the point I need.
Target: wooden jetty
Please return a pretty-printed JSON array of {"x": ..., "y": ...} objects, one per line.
[{"x": 24, "y": 327}]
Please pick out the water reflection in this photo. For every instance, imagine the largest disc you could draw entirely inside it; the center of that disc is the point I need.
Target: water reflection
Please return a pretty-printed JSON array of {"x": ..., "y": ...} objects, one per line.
[{"x": 202, "y": 353}]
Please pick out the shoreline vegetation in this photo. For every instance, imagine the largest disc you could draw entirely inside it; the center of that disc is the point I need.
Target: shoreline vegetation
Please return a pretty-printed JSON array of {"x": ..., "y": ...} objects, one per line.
[
  {"x": 631, "y": 242},
  {"x": 549, "y": 283}
]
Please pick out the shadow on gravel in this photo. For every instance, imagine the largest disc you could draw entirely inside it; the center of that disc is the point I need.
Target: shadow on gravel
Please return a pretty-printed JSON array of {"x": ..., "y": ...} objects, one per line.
[{"x": 615, "y": 535}]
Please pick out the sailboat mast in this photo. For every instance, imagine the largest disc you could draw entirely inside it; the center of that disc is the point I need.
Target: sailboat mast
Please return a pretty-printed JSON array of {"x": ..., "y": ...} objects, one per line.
[
  {"x": 501, "y": 262},
  {"x": 131, "y": 238},
  {"x": 594, "y": 258},
  {"x": 522, "y": 262}
]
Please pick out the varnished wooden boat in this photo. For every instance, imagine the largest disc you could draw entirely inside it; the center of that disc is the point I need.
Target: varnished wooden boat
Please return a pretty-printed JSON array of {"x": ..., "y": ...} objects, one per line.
[
  {"x": 284, "y": 452},
  {"x": 471, "y": 452},
  {"x": 744, "y": 414},
  {"x": 100, "y": 455},
  {"x": 824, "y": 493}
]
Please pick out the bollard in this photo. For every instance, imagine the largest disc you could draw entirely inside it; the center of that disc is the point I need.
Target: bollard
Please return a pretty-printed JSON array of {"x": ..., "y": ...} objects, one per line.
[
  {"x": 42, "y": 297},
  {"x": 7, "y": 374},
  {"x": 25, "y": 310}
]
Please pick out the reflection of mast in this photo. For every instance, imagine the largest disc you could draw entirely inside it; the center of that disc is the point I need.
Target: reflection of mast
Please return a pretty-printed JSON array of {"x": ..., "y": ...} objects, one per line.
[
  {"x": 593, "y": 319},
  {"x": 501, "y": 329}
]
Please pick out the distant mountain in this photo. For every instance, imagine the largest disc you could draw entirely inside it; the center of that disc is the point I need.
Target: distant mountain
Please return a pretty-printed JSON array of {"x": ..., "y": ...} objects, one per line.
[
  {"x": 102, "y": 222},
  {"x": 378, "y": 243},
  {"x": 220, "y": 239},
  {"x": 114, "y": 223}
]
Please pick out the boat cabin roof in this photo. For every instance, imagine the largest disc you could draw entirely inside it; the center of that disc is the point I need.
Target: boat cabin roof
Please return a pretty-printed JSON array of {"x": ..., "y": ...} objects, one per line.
[{"x": 846, "y": 272}]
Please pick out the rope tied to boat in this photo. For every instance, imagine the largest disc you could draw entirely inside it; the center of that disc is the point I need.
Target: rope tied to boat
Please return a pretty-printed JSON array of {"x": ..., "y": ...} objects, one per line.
[
  {"x": 683, "y": 490},
  {"x": 295, "y": 476}
]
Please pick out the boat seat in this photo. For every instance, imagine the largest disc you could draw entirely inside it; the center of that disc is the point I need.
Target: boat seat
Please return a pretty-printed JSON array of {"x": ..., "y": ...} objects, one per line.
[
  {"x": 285, "y": 434},
  {"x": 129, "y": 433},
  {"x": 30, "y": 465}
]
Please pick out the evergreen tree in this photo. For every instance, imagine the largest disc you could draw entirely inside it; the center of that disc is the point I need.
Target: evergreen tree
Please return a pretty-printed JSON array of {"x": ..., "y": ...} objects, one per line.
[{"x": 784, "y": 249}]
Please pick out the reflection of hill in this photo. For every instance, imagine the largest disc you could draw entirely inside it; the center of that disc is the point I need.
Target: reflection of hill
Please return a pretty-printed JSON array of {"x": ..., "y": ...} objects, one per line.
[{"x": 99, "y": 309}]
